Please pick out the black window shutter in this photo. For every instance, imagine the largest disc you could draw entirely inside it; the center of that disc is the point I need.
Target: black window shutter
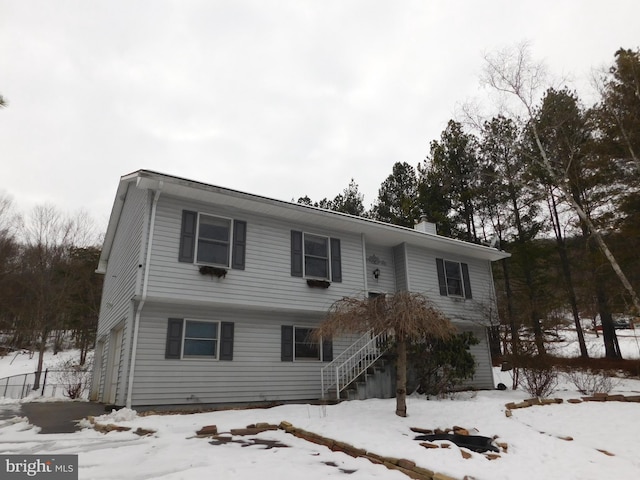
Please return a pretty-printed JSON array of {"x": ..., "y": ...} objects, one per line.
[
  {"x": 286, "y": 352},
  {"x": 174, "y": 338},
  {"x": 336, "y": 261},
  {"x": 296, "y": 253},
  {"x": 188, "y": 236},
  {"x": 239, "y": 244},
  {"x": 467, "y": 282},
  {"x": 327, "y": 350},
  {"x": 441, "y": 279},
  {"x": 226, "y": 341}
]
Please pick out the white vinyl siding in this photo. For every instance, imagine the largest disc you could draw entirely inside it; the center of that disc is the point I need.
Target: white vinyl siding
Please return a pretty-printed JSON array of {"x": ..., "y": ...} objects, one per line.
[
  {"x": 266, "y": 280},
  {"x": 121, "y": 281},
  {"x": 256, "y": 373}
]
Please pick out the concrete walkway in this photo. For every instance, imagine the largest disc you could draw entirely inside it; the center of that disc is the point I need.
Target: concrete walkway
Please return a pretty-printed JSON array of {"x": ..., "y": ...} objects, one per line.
[{"x": 59, "y": 417}]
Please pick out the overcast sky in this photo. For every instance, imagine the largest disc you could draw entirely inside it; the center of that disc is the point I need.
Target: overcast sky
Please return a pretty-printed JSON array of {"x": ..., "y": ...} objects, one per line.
[{"x": 277, "y": 98}]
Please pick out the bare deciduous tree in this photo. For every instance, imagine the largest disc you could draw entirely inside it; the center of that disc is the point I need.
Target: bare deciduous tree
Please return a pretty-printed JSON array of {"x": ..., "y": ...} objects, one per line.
[{"x": 49, "y": 238}]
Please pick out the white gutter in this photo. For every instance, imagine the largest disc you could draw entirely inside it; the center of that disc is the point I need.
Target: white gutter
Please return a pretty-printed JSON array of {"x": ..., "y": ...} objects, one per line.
[{"x": 145, "y": 286}]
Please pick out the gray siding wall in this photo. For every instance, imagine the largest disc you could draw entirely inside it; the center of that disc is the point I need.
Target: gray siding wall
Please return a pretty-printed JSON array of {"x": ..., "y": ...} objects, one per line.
[
  {"x": 400, "y": 263},
  {"x": 424, "y": 279},
  {"x": 483, "y": 378},
  {"x": 382, "y": 259},
  {"x": 120, "y": 283},
  {"x": 255, "y": 374},
  {"x": 266, "y": 281},
  {"x": 467, "y": 314}
]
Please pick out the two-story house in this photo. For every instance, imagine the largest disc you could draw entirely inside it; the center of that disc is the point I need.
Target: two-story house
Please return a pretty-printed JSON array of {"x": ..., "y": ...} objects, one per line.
[{"x": 210, "y": 293}]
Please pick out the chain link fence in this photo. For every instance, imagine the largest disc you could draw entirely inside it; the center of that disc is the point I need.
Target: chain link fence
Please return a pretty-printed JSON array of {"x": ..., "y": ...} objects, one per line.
[{"x": 53, "y": 383}]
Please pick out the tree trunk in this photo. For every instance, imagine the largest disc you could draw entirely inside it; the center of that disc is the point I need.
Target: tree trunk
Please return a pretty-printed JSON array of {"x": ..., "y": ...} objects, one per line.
[
  {"x": 564, "y": 260},
  {"x": 611, "y": 347},
  {"x": 401, "y": 377},
  {"x": 538, "y": 334},
  {"x": 41, "y": 349},
  {"x": 515, "y": 349},
  {"x": 585, "y": 220},
  {"x": 566, "y": 271}
]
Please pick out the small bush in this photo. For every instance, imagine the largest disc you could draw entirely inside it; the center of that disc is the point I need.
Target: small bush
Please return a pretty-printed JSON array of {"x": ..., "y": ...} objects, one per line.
[
  {"x": 538, "y": 377},
  {"x": 74, "y": 378},
  {"x": 443, "y": 365},
  {"x": 591, "y": 381}
]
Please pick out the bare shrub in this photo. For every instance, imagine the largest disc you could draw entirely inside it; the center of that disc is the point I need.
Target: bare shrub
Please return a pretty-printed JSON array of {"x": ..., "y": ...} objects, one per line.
[
  {"x": 590, "y": 381},
  {"x": 74, "y": 378},
  {"x": 538, "y": 376}
]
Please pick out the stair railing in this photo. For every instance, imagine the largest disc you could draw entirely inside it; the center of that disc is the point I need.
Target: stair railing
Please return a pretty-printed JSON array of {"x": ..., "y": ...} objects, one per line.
[{"x": 351, "y": 363}]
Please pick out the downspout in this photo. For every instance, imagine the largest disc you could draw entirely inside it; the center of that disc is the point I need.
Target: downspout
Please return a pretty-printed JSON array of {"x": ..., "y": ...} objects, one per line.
[
  {"x": 364, "y": 264},
  {"x": 406, "y": 266},
  {"x": 143, "y": 297}
]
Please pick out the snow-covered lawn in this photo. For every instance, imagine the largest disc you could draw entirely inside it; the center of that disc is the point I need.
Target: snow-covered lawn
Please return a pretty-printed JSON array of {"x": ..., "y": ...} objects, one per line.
[
  {"x": 628, "y": 339},
  {"x": 564, "y": 441}
]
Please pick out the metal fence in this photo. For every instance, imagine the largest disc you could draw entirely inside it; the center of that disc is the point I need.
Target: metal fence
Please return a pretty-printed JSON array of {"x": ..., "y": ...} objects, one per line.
[{"x": 20, "y": 386}]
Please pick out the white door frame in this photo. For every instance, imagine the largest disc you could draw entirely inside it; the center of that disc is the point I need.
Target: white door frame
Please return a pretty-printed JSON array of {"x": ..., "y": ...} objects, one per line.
[
  {"x": 98, "y": 365},
  {"x": 113, "y": 365}
]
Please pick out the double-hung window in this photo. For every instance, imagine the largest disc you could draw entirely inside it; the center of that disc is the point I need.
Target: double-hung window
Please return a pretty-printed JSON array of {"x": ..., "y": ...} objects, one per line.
[
  {"x": 453, "y": 278},
  {"x": 214, "y": 239},
  {"x": 298, "y": 344},
  {"x": 316, "y": 256},
  {"x": 200, "y": 339},
  {"x": 211, "y": 240},
  {"x": 304, "y": 346}
]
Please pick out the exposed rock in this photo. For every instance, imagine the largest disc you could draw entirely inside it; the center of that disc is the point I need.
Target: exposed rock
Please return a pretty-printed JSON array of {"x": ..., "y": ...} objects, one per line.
[
  {"x": 110, "y": 427},
  {"x": 426, "y": 431},
  {"x": 429, "y": 445},
  {"x": 460, "y": 431},
  {"x": 207, "y": 430},
  {"x": 616, "y": 398},
  {"x": 408, "y": 464},
  {"x": 606, "y": 453}
]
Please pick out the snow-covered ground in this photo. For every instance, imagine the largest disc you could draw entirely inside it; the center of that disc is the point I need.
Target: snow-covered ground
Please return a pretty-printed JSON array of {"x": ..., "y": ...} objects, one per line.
[
  {"x": 564, "y": 441},
  {"x": 628, "y": 339}
]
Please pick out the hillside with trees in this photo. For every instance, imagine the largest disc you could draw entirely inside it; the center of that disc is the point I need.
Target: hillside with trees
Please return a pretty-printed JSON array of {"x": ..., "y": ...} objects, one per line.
[{"x": 557, "y": 185}]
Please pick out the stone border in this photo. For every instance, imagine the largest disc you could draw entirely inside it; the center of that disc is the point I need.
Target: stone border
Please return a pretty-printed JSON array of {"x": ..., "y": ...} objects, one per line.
[
  {"x": 597, "y": 397},
  {"x": 402, "y": 465}
]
